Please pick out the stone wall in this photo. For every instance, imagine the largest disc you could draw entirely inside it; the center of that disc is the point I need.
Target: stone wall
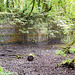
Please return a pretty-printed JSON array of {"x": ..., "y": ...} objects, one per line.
[{"x": 10, "y": 34}]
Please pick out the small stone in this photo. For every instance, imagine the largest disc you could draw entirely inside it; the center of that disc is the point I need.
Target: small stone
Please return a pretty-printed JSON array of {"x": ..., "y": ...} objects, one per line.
[{"x": 30, "y": 58}]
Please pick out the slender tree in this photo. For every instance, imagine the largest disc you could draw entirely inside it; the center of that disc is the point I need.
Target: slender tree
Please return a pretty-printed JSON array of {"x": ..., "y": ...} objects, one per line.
[
  {"x": 38, "y": 3},
  {"x": 32, "y": 8},
  {"x": 7, "y": 4},
  {"x": 13, "y": 3}
]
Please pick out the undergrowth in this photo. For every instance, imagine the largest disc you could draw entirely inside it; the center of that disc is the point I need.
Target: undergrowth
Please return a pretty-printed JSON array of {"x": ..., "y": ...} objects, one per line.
[
  {"x": 72, "y": 50},
  {"x": 62, "y": 53},
  {"x": 69, "y": 63}
]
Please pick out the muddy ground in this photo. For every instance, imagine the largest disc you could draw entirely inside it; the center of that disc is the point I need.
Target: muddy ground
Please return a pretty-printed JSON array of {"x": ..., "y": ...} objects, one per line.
[{"x": 44, "y": 63}]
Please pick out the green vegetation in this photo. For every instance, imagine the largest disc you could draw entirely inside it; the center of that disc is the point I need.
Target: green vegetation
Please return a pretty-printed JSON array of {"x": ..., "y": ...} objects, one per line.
[
  {"x": 68, "y": 49},
  {"x": 63, "y": 53},
  {"x": 55, "y": 16},
  {"x": 72, "y": 50},
  {"x": 69, "y": 63},
  {"x": 2, "y": 72},
  {"x": 60, "y": 52},
  {"x": 50, "y": 17}
]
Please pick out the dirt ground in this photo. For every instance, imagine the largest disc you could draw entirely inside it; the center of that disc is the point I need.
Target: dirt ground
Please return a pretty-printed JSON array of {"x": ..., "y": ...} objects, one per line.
[{"x": 44, "y": 63}]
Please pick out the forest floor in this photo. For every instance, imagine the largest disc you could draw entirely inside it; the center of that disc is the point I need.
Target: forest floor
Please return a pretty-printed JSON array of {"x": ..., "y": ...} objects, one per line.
[{"x": 44, "y": 63}]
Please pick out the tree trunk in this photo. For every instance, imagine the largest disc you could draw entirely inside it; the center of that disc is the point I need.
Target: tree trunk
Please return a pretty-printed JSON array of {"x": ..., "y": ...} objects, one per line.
[{"x": 32, "y": 8}]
